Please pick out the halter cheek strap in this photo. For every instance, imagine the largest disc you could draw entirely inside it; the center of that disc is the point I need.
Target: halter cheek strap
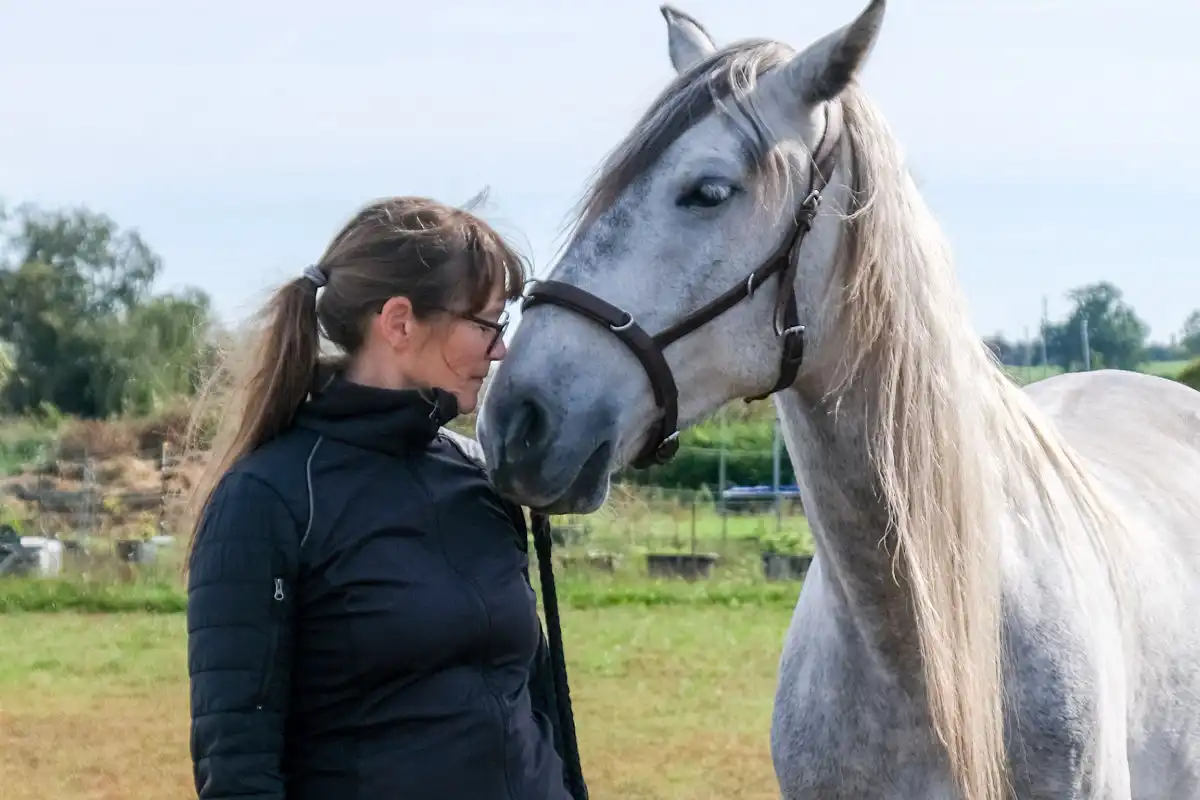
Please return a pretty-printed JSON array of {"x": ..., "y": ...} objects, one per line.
[{"x": 663, "y": 441}]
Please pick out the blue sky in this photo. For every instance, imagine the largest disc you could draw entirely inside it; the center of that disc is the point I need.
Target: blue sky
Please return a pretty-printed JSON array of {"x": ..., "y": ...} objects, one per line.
[{"x": 1049, "y": 135}]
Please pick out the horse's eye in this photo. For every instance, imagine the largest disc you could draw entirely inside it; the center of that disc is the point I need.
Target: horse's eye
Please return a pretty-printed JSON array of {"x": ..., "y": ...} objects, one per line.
[{"x": 707, "y": 193}]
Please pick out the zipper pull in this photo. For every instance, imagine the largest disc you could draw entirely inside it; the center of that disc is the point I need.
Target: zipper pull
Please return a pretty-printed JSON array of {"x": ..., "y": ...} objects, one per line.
[{"x": 278, "y": 589}]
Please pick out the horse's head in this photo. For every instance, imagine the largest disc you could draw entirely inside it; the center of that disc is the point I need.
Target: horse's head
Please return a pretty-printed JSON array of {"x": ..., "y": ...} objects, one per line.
[{"x": 629, "y": 339}]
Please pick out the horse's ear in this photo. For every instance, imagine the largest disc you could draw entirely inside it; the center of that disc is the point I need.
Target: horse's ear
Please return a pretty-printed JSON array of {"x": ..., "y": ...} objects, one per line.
[
  {"x": 824, "y": 69},
  {"x": 687, "y": 41}
]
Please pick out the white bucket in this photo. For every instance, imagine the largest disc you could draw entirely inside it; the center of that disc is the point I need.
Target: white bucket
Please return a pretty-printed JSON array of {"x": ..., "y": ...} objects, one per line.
[{"x": 49, "y": 554}]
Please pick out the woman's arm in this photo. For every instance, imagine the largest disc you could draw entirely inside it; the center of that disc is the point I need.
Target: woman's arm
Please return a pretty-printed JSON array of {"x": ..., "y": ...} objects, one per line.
[{"x": 239, "y": 640}]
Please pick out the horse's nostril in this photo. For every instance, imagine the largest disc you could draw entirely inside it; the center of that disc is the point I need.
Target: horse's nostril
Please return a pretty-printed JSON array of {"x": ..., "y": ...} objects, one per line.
[{"x": 529, "y": 427}]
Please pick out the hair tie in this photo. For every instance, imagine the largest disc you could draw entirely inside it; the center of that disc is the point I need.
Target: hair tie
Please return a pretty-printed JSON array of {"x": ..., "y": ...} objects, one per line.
[{"x": 317, "y": 275}]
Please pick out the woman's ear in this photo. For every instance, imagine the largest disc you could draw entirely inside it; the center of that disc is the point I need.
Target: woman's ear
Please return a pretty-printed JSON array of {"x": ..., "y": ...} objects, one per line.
[{"x": 396, "y": 323}]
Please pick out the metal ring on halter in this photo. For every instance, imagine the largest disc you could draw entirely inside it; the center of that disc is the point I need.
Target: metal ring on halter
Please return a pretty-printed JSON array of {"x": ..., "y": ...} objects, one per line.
[
  {"x": 813, "y": 200},
  {"x": 750, "y": 284},
  {"x": 525, "y": 291},
  {"x": 624, "y": 326}
]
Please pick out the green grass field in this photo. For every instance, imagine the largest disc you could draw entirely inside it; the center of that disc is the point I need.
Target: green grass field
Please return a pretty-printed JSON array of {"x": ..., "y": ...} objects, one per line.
[
  {"x": 672, "y": 681},
  {"x": 1165, "y": 369},
  {"x": 670, "y": 702}
]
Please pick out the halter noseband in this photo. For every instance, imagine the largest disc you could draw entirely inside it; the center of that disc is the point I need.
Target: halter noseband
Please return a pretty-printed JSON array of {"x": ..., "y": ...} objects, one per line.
[{"x": 663, "y": 441}]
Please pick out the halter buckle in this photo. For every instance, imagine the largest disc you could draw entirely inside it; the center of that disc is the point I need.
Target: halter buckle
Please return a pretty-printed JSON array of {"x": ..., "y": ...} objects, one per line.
[
  {"x": 666, "y": 449},
  {"x": 793, "y": 344}
]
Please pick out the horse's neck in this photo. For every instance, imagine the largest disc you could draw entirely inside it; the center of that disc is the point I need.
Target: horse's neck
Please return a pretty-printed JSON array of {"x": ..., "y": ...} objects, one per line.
[{"x": 848, "y": 519}]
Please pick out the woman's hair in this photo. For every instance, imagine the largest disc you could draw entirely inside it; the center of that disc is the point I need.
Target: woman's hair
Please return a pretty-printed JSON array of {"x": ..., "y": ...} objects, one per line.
[{"x": 437, "y": 256}]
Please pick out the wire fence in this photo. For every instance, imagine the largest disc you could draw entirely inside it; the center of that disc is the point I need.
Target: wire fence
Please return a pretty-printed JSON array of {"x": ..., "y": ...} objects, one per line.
[
  {"x": 130, "y": 505},
  {"x": 650, "y": 519},
  {"x": 127, "y": 505}
]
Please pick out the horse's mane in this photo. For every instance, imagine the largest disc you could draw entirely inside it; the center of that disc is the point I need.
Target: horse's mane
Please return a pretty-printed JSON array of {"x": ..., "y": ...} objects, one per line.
[
  {"x": 961, "y": 454},
  {"x": 902, "y": 320}
]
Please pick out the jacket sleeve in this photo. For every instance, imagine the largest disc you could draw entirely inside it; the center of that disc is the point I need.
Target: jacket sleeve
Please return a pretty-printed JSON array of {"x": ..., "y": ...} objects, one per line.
[{"x": 239, "y": 640}]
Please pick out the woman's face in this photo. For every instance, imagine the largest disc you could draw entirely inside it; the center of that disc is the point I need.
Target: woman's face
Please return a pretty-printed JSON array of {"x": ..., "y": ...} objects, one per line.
[
  {"x": 464, "y": 351},
  {"x": 452, "y": 351},
  {"x": 458, "y": 350}
]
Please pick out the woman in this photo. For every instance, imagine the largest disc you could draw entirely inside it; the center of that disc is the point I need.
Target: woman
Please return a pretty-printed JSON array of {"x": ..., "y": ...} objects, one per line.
[{"x": 360, "y": 621}]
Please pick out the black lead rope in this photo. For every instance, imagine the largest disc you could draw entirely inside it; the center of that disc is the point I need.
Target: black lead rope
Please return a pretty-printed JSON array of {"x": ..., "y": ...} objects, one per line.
[{"x": 558, "y": 663}]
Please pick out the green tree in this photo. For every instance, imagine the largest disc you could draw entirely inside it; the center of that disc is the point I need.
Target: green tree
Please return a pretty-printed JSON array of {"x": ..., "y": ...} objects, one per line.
[
  {"x": 6, "y": 362},
  {"x": 1189, "y": 337},
  {"x": 84, "y": 331},
  {"x": 1116, "y": 336}
]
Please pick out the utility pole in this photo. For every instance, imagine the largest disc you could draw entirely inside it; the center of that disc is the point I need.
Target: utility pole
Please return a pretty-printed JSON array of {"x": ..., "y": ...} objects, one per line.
[
  {"x": 1087, "y": 349},
  {"x": 721, "y": 476},
  {"x": 775, "y": 443},
  {"x": 1045, "y": 325}
]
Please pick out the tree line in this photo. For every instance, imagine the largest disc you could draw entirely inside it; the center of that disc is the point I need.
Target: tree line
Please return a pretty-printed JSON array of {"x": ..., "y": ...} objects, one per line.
[
  {"x": 83, "y": 331},
  {"x": 1101, "y": 329}
]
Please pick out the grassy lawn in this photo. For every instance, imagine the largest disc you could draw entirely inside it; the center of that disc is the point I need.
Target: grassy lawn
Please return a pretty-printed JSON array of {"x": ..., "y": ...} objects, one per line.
[
  {"x": 672, "y": 681},
  {"x": 1165, "y": 369},
  {"x": 670, "y": 702}
]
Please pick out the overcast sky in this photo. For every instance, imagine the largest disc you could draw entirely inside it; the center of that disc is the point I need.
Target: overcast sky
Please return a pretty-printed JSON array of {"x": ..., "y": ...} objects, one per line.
[{"x": 1049, "y": 135}]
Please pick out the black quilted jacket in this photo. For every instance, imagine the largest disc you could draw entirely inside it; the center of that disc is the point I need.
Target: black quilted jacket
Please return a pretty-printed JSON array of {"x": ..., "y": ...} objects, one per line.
[{"x": 360, "y": 620}]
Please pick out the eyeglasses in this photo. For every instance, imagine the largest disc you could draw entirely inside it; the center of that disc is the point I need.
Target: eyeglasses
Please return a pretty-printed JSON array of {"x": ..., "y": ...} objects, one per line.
[{"x": 497, "y": 328}]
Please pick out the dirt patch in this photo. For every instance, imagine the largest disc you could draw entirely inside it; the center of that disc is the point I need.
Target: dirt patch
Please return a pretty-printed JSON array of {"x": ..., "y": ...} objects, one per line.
[{"x": 75, "y": 755}]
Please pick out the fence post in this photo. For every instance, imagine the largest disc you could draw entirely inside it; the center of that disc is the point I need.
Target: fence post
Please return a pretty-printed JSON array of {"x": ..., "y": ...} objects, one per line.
[
  {"x": 721, "y": 480},
  {"x": 674, "y": 505},
  {"x": 776, "y": 445},
  {"x": 89, "y": 495},
  {"x": 163, "y": 478},
  {"x": 693, "y": 523}
]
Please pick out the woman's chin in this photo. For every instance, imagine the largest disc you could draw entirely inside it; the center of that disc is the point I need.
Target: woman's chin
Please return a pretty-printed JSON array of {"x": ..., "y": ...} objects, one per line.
[{"x": 468, "y": 397}]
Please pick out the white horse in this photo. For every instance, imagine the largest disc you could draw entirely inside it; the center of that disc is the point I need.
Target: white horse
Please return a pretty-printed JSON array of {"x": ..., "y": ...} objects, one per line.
[{"x": 998, "y": 606}]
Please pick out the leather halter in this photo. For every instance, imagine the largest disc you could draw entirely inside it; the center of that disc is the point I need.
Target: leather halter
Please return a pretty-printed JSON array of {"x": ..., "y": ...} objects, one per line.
[{"x": 663, "y": 441}]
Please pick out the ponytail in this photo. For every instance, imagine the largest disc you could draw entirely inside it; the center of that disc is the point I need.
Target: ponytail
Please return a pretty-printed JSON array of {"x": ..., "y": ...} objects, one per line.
[
  {"x": 435, "y": 255},
  {"x": 257, "y": 401}
]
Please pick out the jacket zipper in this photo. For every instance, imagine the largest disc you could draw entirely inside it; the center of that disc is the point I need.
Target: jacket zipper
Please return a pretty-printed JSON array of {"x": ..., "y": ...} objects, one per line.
[{"x": 272, "y": 647}]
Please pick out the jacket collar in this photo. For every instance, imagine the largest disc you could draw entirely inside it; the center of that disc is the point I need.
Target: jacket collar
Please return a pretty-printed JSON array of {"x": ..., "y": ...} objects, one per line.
[{"x": 394, "y": 421}]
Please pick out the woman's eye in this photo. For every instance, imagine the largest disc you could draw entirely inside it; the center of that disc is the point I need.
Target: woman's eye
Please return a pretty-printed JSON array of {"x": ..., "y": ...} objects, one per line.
[{"x": 707, "y": 194}]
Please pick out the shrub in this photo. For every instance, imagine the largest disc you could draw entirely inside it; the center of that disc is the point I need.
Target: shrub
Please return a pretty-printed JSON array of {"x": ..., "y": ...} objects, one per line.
[
  {"x": 173, "y": 426},
  {"x": 748, "y": 458},
  {"x": 700, "y": 468},
  {"x": 25, "y": 441},
  {"x": 98, "y": 439},
  {"x": 1190, "y": 375}
]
